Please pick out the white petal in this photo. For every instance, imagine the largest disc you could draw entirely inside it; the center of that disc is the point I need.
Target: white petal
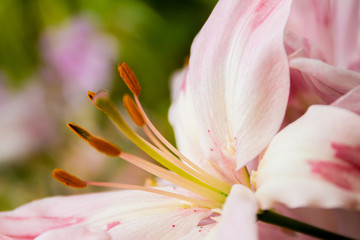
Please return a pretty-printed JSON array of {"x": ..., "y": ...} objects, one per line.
[
  {"x": 164, "y": 225},
  {"x": 98, "y": 212},
  {"x": 313, "y": 162},
  {"x": 75, "y": 232},
  {"x": 238, "y": 219}
]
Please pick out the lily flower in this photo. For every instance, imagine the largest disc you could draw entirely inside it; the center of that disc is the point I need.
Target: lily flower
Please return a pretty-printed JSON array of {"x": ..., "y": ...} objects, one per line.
[{"x": 229, "y": 104}]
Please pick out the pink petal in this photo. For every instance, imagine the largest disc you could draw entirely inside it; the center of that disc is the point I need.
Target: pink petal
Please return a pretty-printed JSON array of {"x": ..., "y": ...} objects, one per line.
[
  {"x": 76, "y": 232},
  {"x": 345, "y": 34},
  {"x": 238, "y": 219},
  {"x": 329, "y": 27},
  {"x": 313, "y": 162},
  {"x": 330, "y": 82},
  {"x": 350, "y": 101},
  {"x": 311, "y": 20},
  {"x": 239, "y": 80},
  {"x": 97, "y": 212},
  {"x": 301, "y": 97}
]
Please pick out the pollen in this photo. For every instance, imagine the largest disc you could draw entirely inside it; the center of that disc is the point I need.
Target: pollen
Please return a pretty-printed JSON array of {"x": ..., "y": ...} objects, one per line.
[
  {"x": 133, "y": 111},
  {"x": 129, "y": 78},
  {"x": 68, "y": 179}
]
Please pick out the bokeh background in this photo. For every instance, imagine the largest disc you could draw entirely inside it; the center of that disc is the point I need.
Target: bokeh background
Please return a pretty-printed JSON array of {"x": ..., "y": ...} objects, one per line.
[{"x": 51, "y": 53}]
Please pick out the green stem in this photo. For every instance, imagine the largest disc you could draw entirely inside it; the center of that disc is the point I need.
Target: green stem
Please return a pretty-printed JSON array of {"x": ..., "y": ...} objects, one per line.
[{"x": 286, "y": 222}]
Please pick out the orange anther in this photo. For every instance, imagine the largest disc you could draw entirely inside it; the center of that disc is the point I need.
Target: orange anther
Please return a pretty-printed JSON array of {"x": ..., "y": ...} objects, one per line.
[
  {"x": 133, "y": 111},
  {"x": 68, "y": 179},
  {"x": 129, "y": 78},
  {"x": 99, "y": 144}
]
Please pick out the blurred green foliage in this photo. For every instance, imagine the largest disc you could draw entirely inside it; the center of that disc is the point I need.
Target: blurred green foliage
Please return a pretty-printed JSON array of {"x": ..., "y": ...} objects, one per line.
[{"x": 154, "y": 38}]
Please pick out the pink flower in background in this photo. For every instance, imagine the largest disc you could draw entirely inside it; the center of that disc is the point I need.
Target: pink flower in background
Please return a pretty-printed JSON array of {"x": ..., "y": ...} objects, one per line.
[
  {"x": 79, "y": 56},
  {"x": 24, "y": 125},
  {"x": 228, "y": 106}
]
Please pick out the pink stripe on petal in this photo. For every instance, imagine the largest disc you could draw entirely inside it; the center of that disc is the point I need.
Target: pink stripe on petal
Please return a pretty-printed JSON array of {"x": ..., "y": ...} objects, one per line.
[
  {"x": 111, "y": 225},
  {"x": 19, "y": 227},
  {"x": 262, "y": 11},
  {"x": 336, "y": 173},
  {"x": 347, "y": 154}
]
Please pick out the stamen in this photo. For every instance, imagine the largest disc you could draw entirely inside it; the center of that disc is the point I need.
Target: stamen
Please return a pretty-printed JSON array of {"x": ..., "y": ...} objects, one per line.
[
  {"x": 99, "y": 144},
  {"x": 129, "y": 78},
  {"x": 91, "y": 96},
  {"x": 103, "y": 102},
  {"x": 68, "y": 179},
  {"x": 133, "y": 111},
  {"x": 201, "y": 174},
  {"x": 72, "y": 181},
  {"x": 150, "y": 182},
  {"x": 82, "y": 133},
  {"x": 197, "y": 202},
  {"x": 154, "y": 140},
  {"x": 172, "y": 177}
]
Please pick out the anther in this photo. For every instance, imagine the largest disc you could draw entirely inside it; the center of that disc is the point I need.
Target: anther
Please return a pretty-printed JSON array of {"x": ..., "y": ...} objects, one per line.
[
  {"x": 68, "y": 179},
  {"x": 99, "y": 144},
  {"x": 133, "y": 111},
  {"x": 129, "y": 78},
  {"x": 91, "y": 95},
  {"x": 82, "y": 133}
]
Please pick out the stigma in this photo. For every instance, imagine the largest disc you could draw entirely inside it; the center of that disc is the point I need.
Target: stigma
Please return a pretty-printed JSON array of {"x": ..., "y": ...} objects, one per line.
[{"x": 172, "y": 165}]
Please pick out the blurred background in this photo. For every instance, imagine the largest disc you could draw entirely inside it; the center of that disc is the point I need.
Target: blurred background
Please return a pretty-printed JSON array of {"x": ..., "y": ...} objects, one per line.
[{"x": 51, "y": 53}]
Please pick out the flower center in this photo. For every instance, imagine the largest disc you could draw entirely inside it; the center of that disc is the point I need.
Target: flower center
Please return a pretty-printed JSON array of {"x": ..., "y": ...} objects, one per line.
[{"x": 174, "y": 166}]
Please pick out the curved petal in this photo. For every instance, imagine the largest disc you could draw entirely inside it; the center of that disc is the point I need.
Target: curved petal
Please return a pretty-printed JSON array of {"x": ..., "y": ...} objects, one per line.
[
  {"x": 238, "y": 219},
  {"x": 350, "y": 100},
  {"x": 239, "y": 80},
  {"x": 313, "y": 162},
  {"x": 330, "y": 82},
  {"x": 98, "y": 212}
]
